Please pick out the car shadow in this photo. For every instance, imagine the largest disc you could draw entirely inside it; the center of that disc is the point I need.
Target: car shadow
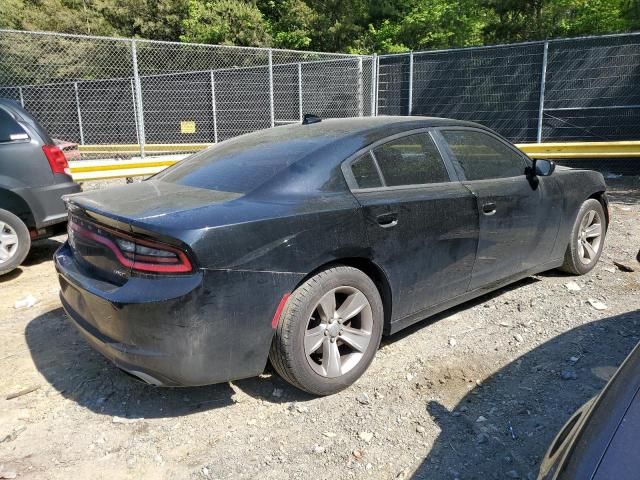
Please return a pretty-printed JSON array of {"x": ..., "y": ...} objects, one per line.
[
  {"x": 12, "y": 275},
  {"x": 41, "y": 251},
  {"x": 81, "y": 374},
  {"x": 503, "y": 427},
  {"x": 458, "y": 308}
]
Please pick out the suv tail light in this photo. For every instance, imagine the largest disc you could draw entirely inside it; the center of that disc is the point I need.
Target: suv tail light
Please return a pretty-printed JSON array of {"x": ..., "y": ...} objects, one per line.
[
  {"x": 57, "y": 160},
  {"x": 139, "y": 254}
]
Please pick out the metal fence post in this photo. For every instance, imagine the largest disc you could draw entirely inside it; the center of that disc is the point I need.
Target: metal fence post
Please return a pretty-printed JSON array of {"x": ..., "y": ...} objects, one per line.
[
  {"x": 75, "y": 88},
  {"x": 360, "y": 89},
  {"x": 543, "y": 82},
  {"x": 410, "y": 102},
  {"x": 214, "y": 108},
  {"x": 374, "y": 84},
  {"x": 135, "y": 111},
  {"x": 300, "y": 112},
  {"x": 138, "y": 97},
  {"x": 271, "y": 105},
  {"x": 21, "y": 96}
]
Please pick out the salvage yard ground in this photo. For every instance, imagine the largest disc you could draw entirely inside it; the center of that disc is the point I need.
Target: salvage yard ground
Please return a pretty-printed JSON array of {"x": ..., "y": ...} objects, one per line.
[{"x": 477, "y": 392}]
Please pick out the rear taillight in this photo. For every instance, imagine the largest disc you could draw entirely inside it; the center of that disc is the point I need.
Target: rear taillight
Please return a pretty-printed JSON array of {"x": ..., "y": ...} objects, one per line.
[
  {"x": 139, "y": 254},
  {"x": 57, "y": 160}
]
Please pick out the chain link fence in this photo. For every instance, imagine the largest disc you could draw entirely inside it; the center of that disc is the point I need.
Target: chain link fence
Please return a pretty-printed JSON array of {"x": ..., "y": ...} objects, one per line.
[
  {"x": 584, "y": 89},
  {"x": 135, "y": 94}
]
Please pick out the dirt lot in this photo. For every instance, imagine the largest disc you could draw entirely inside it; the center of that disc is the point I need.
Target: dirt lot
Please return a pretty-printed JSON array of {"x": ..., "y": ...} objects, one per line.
[{"x": 478, "y": 392}]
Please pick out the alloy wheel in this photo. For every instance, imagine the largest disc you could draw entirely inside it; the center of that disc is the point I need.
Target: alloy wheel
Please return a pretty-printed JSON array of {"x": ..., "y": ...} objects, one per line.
[
  {"x": 338, "y": 332},
  {"x": 589, "y": 237},
  {"x": 8, "y": 242}
]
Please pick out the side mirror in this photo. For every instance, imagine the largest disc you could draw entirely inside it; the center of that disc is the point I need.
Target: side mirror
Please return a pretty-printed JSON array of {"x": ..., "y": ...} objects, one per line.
[{"x": 543, "y": 167}]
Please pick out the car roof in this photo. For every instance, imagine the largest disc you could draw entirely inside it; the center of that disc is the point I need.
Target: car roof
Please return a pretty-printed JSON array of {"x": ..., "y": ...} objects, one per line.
[
  {"x": 304, "y": 155},
  {"x": 374, "y": 128}
]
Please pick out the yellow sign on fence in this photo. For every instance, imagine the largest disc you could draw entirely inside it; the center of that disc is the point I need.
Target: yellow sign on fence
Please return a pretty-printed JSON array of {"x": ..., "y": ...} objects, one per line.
[{"x": 187, "y": 126}]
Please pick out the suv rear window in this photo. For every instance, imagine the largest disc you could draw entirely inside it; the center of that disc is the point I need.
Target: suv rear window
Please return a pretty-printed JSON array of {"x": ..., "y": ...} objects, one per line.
[
  {"x": 10, "y": 130},
  {"x": 242, "y": 164}
]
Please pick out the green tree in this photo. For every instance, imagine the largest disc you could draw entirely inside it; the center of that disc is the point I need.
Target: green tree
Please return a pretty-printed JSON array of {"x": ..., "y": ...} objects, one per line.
[
  {"x": 152, "y": 19},
  {"x": 521, "y": 20},
  {"x": 229, "y": 22},
  {"x": 631, "y": 12},
  {"x": 69, "y": 16},
  {"x": 290, "y": 22},
  {"x": 339, "y": 26}
]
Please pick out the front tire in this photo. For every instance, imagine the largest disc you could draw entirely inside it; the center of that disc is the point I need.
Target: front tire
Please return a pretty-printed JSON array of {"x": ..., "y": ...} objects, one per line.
[
  {"x": 587, "y": 239},
  {"x": 15, "y": 241},
  {"x": 329, "y": 331}
]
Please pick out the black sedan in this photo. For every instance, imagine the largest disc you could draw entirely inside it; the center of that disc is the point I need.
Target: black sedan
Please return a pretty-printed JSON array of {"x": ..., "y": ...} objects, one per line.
[
  {"x": 600, "y": 441},
  {"x": 303, "y": 244}
]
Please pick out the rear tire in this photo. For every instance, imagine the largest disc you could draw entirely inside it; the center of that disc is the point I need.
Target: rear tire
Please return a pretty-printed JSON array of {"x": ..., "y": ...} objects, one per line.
[
  {"x": 15, "y": 241},
  {"x": 320, "y": 345},
  {"x": 587, "y": 239}
]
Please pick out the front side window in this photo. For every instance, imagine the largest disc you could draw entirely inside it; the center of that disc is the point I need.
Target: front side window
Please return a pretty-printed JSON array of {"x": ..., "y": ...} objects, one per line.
[
  {"x": 411, "y": 160},
  {"x": 482, "y": 156}
]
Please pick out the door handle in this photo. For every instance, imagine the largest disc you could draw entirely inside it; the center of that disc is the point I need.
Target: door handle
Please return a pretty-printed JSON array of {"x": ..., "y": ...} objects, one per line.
[
  {"x": 387, "y": 220},
  {"x": 489, "y": 208}
]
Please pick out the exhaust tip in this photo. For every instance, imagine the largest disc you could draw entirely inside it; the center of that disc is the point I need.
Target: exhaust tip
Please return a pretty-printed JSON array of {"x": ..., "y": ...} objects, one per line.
[{"x": 144, "y": 377}]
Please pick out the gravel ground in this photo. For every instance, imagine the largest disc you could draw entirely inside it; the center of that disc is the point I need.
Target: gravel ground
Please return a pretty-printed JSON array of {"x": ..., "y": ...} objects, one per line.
[{"x": 477, "y": 392}]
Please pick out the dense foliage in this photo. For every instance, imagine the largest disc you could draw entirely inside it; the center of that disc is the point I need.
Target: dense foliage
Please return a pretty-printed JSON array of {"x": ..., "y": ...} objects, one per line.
[{"x": 328, "y": 25}]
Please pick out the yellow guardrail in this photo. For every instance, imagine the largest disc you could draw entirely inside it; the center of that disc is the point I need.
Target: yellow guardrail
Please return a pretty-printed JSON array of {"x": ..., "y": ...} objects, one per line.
[
  {"x": 624, "y": 149},
  {"x": 83, "y": 170},
  {"x": 134, "y": 148}
]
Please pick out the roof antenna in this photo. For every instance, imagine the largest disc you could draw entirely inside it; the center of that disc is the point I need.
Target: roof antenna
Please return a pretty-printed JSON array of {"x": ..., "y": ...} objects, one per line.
[{"x": 309, "y": 119}]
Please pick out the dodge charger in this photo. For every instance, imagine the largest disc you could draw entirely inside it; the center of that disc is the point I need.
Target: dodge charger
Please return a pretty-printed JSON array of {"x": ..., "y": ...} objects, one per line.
[{"x": 303, "y": 244}]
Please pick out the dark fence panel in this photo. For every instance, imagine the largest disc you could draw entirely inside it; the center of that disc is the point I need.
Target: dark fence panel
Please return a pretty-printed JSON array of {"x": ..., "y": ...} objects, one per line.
[
  {"x": 178, "y": 108},
  {"x": 108, "y": 111},
  {"x": 593, "y": 89}
]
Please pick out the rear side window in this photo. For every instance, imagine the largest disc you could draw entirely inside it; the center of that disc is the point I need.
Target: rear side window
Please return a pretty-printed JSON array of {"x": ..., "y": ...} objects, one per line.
[
  {"x": 365, "y": 172},
  {"x": 10, "y": 130},
  {"x": 411, "y": 160},
  {"x": 483, "y": 156}
]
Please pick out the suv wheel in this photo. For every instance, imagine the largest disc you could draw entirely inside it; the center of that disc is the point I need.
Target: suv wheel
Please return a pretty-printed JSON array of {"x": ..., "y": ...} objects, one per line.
[
  {"x": 14, "y": 241},
  {"x": 329, "y": 331}
]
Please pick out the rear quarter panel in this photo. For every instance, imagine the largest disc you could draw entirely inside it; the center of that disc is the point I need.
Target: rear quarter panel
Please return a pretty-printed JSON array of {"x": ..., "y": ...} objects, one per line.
[{"x": 248, "y": 267}]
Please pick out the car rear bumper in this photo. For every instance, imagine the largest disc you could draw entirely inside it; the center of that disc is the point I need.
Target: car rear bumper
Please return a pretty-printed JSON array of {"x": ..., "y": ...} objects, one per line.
[{"x": 176, "y": 331}]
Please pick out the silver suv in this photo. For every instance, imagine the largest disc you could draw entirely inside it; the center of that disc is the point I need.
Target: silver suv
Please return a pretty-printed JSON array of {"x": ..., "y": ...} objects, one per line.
[{"x": 34, "y": 174}]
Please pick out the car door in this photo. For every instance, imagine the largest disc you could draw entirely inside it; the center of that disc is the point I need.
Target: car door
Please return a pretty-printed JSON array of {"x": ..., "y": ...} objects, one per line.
[
  {"x": 519, "y": 218},
  {"x": 421, "y": 222}
]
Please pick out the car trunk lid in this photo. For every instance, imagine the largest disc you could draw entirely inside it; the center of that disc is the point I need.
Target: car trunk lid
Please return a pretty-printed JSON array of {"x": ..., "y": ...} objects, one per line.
[{"x": 116, "y": 231}]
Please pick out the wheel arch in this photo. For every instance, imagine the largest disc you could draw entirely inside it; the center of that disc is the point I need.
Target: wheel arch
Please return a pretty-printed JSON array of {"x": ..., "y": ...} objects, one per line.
[
  {"x": 370, "y": 269},
  {"x": 17, "y": 205},
  {"x": 601, "y": 197}
]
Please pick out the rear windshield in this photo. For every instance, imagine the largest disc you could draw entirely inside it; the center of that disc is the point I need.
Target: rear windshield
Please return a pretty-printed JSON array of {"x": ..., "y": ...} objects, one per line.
[
  {"x": 10, "y": 130},
  {"x": 241, "y": 164}
]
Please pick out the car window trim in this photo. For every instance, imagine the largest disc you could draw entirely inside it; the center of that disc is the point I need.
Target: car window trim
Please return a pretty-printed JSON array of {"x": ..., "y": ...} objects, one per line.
[
  {"x": 452, "y": 158},
  {"x": 353, "y": 184},
  {"x": 374, "y": 161}
]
